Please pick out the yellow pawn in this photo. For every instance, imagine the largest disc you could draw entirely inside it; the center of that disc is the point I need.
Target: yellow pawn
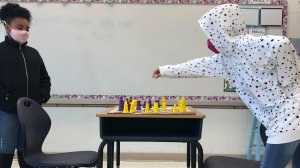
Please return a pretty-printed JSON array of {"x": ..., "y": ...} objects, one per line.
[
  {"x": 164, "y": 107},
  {"x": 125, "y": 109},
  {"x": 175, "y": 108},
  {"x": 147, "y": 108},
  {"x": 155, "y": 108},
  {"x": 163, "y": 104}
]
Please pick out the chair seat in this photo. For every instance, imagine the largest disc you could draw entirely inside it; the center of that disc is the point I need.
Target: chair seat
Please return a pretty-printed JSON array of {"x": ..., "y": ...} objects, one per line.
[
  {"x": 229, "y": 162},
  {"x": 76, "y": 159}
]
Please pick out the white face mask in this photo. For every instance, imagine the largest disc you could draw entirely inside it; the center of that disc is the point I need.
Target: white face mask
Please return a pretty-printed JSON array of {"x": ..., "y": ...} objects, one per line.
[{"x": 20, "y": 36}]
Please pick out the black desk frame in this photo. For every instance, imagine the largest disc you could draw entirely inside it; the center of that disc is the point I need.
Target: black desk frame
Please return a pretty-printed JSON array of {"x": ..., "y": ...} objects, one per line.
[{"x": 117, "y": 129}]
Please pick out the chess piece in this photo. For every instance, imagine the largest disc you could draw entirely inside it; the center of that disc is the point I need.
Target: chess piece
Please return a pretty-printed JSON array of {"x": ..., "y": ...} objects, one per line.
[
  {"x": 121, "y": 104},
  {"x": 138, "y": 106},
  {"x": 147, "y": 108},
  {"x": 183, "y": 104},
  {"x": 179, "y": 105},
  {"x": 133, "y": 106},
  {"x": 163, "y": 104},
  {"x": 175, "y": 108},
  {"x": 150, "y": 103},
  {"x": 125, "y": 109},
  {"x": 155, "y": 108},
  {"x": 157, "y": 101}
]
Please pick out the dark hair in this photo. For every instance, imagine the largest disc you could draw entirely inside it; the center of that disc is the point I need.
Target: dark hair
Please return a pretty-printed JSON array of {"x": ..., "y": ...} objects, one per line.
[{"x": 10, "y": 11}]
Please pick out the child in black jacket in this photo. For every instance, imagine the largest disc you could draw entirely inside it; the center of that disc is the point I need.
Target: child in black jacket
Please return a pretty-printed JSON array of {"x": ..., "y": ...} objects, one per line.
[{"x": 22, "y": 74}]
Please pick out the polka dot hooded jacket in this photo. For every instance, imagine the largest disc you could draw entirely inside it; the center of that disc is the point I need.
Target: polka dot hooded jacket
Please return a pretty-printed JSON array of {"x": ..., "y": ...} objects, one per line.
[{"x": 263, "y": 69}]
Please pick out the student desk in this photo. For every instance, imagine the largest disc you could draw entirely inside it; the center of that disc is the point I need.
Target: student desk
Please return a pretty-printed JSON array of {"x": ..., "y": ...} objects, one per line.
[{"x": 150, "y": 128}]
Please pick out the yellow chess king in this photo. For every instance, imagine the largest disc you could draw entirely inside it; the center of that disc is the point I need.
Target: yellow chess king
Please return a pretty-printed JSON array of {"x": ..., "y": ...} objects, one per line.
[
  {"x": 147, "y": 108},
  {"x": 163, "y": 104},
  {"x": 125, "y": 109},
  {"x": 183, "y": 105},
  {"x": 179, "y": 105},
  {"x": 155, "y": 108}
]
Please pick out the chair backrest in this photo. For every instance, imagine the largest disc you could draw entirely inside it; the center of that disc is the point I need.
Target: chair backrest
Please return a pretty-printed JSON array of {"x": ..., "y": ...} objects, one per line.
[{"x": 35, "y": 125}]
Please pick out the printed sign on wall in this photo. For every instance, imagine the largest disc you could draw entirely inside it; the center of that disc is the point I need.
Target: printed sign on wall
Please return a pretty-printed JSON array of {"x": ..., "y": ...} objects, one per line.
[
  {"x": 259, "y": 1},
  {"x": 257, "y": 31}
]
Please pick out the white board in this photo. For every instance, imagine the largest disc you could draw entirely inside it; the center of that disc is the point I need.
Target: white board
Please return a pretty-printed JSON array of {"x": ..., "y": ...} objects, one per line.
[
  {"x": 271, "y": 17},
  {"x": 251, "y": 16}
]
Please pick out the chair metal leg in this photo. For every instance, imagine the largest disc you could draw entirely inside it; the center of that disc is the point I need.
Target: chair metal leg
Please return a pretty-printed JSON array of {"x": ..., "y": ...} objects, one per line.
[
  {"x": 250, "y": 146},
  {"x": 188, "y": 154},
  {"x": 193, "y": 155},
  {"x": 200, "y": 154},
  {"x": 118, "y": 154},
  {"x": 100, "y": 153},
  {"x": 258, "y": 147}
]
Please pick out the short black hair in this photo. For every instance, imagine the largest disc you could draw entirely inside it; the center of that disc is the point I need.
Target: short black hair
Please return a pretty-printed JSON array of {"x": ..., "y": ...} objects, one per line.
[{"x": 10, "y": 11}]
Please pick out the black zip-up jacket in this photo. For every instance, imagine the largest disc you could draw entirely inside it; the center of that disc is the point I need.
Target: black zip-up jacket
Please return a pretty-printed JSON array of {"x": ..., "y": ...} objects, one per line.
[{"x": 22, "y": 74}]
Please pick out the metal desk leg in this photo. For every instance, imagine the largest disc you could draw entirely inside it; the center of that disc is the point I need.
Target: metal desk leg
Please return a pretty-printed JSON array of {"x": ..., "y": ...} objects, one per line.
[
  {"x": 193, "y": 155},
  {"x": 110, "y": 154},
  {"x": 200, "y": 154},
  {"x": 188, "y": 154},
  {"x": 118, "y": 154},
  {"x": 100, "y": 154}
]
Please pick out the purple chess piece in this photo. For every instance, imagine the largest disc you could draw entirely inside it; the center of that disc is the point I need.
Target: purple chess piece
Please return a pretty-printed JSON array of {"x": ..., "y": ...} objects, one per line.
[
  {"x": 150, "y": 103},
  {"x": 144, "y": 105},
  {"x": 157, "y": 101},
  {"x": 138, "y": 106},
  {"x": 121, "y": 104}
]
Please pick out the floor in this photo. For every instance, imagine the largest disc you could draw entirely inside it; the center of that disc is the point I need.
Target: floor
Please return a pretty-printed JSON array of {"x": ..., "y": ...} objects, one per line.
[{"x": 139, "y": 164}]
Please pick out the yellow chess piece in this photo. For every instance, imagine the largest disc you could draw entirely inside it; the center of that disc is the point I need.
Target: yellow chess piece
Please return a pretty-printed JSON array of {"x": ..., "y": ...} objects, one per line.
[
  {"x": 147, "y": 108},
  {"x": 183, "y": 104},
  {"x": 155, "y": 108},
  {"x": 175, "y": 108},
  {"x": 133, "y": 106},
  {"x": 179, "y": 105},
  {"x": 163, "y": 104},
  {"x": 125, "y": 109}
]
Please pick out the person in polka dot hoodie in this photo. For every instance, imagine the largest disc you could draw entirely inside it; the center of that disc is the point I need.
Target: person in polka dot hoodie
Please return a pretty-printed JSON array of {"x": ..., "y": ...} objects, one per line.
[{"x": 264, "y": 70}]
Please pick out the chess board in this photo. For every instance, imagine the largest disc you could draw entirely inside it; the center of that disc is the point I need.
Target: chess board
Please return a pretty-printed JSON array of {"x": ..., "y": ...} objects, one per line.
[{"x": 169, "y": 111}]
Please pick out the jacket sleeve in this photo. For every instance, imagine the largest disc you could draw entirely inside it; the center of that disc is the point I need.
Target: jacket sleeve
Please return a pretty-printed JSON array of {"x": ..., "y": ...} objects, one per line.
[
  {"x": 287, "y": 65},
  {"x": 45, "y": 83},
  {"x": 202, "y": 67}
]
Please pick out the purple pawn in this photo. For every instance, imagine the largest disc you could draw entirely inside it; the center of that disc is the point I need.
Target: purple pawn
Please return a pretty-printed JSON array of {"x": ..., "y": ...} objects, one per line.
[
  {"x": 144, "y": 105},
  {"x": 121, "y": 104},
  {"x": 138, "y": 106},
  {"x": 157, "y": 101},
  {"x": 150, "y": 103}
]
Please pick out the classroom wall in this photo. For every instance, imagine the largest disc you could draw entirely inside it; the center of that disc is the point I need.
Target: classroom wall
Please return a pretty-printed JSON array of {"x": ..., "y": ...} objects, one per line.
[
  {"x": 293, "y": 19},
  {"x": 225, "y": 131}
]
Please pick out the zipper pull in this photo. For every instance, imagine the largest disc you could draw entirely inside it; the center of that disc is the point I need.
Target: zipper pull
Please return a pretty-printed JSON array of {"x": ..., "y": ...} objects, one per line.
[{"x": 7, "y": 95}]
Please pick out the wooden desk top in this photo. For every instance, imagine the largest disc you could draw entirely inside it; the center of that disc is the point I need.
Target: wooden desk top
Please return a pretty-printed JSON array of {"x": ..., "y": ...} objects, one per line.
[{"x": 105, "y": 114}]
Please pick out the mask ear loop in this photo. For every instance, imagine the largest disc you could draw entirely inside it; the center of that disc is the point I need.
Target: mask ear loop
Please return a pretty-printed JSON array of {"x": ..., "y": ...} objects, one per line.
[{"x": 2, "y": 21}]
